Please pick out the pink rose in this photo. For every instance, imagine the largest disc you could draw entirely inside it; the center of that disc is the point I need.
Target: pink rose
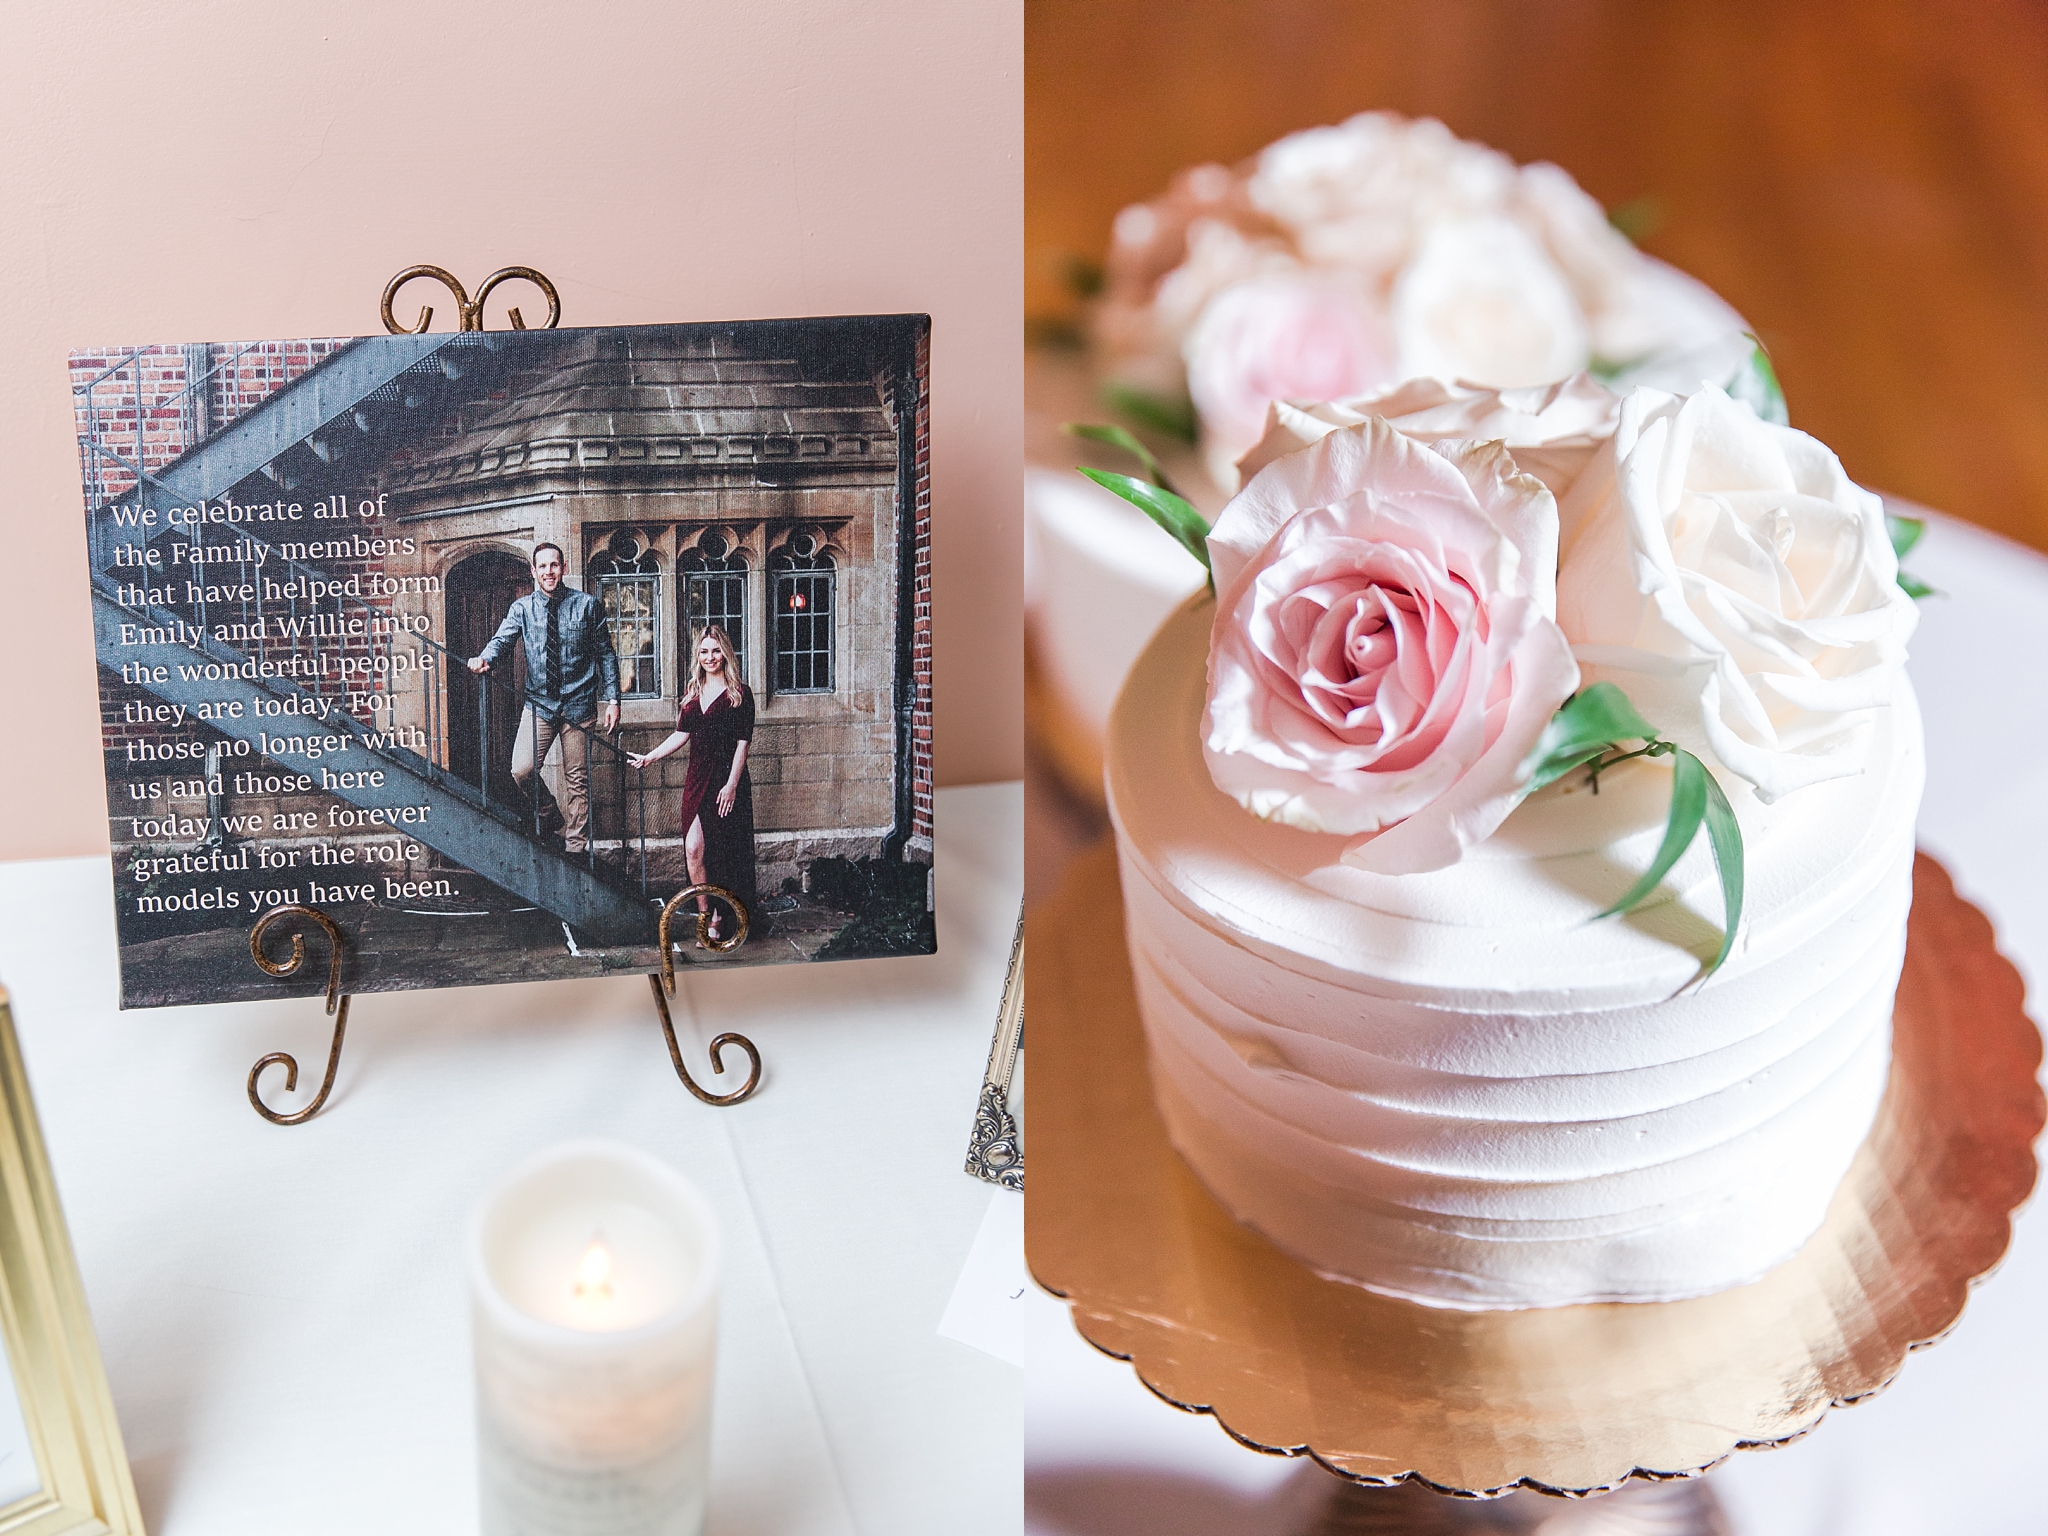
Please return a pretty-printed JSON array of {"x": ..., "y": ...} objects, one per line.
[
  {"x": 1385, "y": 653},
  {"x": 1282, "y": 336}
]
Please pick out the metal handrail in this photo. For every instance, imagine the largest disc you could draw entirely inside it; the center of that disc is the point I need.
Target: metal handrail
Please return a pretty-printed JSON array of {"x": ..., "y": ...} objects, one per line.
[
  {"x": 137, "y": 355},
  {"x": 133, "y": 360}
]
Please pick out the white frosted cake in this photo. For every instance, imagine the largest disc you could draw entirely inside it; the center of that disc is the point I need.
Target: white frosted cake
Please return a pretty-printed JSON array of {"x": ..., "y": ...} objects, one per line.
[{"x": 1447, "y": 1077}]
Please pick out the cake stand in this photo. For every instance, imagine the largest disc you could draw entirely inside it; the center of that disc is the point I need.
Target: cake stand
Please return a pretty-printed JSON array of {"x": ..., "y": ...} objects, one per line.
[{"x": 1564, "y": 1400}]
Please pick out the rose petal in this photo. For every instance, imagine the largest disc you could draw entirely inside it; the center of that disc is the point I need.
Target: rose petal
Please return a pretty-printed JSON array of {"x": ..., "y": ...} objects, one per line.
[
  {"x": 1733, "y": 581},
  {"x": 1358, "y": 673}
]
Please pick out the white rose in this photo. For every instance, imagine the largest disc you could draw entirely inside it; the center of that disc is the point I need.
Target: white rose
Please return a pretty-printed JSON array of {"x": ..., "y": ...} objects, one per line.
[
  {"x": 1656, "y": 311},
  {"x": 1726, "y": 574},
  {"x": 1636, "y": 306},
  {"x": 1482, "y": 301},
  {"x": 1575, "y": 230},
  {"x": 1718, "y": 362},
  {"x": 1282, "y": 336},
  {"x": 1552, "y": 431},
  {"x": 1360, "y": 195}
]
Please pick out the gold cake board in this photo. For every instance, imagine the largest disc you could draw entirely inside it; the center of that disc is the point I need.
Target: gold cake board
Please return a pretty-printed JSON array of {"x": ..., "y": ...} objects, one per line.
[{"x": 1572, "y": 1400}]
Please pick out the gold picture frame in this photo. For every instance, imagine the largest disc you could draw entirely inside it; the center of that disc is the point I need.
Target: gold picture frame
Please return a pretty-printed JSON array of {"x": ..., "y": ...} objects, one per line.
[{"x": 65, "y": 1412}]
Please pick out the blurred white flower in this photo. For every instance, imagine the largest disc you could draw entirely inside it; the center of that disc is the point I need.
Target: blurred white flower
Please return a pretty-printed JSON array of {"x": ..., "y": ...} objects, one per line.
[
  {"x": 1362, "y": 195},
  {"x": 1481, "y": 301},
  {"x": 1279, "y": 337},
  {"x": 1468, "y": 266}
]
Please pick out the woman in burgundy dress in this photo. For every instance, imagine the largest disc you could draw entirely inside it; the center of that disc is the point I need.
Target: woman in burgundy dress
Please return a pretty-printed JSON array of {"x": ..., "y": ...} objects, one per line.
[{"x": 717, "y": 720}]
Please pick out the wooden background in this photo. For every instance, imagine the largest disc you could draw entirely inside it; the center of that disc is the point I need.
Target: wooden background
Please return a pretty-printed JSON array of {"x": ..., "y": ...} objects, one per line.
[{"x": 1866, "y": 180}]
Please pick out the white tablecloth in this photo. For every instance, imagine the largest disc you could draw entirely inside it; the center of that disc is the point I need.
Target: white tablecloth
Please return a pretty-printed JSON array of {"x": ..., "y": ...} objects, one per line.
[
  {"x": 1956, "y": 1445},
  {"x": 282, "y": 1309}
]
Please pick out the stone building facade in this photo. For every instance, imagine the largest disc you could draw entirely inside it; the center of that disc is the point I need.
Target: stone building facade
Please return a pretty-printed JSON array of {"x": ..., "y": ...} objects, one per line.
[{"x": 691, "y": 479}]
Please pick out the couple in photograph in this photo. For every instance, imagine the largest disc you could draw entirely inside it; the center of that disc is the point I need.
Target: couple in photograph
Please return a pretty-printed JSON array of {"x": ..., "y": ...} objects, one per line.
[{"x": 571, "y": 666}]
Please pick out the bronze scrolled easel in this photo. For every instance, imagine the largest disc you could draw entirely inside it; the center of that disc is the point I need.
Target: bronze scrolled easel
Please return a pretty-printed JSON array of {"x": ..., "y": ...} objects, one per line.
[
  {"x": 337, "y": 1008},
  {"x": 663, "y": 982},
  {"x": 469, "y": 311}
]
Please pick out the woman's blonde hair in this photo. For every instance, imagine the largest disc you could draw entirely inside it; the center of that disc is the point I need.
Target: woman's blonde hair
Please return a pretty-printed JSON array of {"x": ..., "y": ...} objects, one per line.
[{"x": 733, "y": 681}]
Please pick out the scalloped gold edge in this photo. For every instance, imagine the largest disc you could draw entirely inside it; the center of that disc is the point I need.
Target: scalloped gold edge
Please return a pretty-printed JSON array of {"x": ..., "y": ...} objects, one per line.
[{"x": 1964, "y": 1285}]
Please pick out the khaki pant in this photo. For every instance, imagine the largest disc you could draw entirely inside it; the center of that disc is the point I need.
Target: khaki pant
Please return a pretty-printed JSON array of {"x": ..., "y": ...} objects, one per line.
[{"x": 537, "y": 737}]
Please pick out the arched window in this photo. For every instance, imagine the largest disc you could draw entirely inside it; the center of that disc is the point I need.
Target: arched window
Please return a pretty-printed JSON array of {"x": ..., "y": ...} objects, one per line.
[
  {"x": 714, "y": 572},
  {"x": 803, "y": 574},
  {"x": 628, "y": 577}
]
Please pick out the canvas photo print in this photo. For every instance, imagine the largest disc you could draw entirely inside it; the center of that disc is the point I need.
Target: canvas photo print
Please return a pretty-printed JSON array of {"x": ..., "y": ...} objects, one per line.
[{"x": 487, "y": 644}]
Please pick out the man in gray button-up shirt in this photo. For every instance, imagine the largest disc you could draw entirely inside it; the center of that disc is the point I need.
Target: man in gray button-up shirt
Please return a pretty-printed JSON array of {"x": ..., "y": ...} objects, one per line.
[{"x": 570, "y": 664}]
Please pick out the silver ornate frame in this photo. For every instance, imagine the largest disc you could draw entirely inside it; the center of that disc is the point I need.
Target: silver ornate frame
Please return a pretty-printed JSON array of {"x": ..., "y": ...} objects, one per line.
[{"x": 996, "y": 1151}]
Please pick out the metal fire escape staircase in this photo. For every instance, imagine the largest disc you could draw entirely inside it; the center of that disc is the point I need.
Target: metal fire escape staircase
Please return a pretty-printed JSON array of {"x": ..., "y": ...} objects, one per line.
[{"x": 333, "y": 413}]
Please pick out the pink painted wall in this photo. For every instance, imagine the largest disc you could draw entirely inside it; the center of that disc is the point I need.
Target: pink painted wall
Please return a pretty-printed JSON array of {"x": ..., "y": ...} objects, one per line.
[{"x": 213, "y": 171}]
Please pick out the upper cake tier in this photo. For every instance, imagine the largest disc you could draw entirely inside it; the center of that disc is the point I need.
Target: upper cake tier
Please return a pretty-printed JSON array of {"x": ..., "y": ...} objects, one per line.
[{"x": 1457, "y": 1086}]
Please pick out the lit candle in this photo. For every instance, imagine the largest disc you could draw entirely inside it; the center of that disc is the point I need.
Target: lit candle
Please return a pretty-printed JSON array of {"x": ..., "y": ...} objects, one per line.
[{"x": 594, "y": 1282}]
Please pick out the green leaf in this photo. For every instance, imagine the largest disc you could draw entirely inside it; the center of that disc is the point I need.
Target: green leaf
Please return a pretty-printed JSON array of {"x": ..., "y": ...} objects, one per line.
[
  {"x": 1756, "y": 385},
  {"x": 1589, "y": 722},
  {"x": 1638, "y": 219},
  {"x": 1188, "y": 527},
  {"x": 1604, "y": 710},
  {"x": 1117, "y": 437},
  {"x": 1689, "y": 780},
  {"x": 1053, "y": 333},
  {"x": 1556, "y": 765},
  {"x": 1083, "y": 278},
  {"x": 1904, "y": 532},
  {"x": 1724, "y": 835},
  {"x": 1175, "y": 417}
]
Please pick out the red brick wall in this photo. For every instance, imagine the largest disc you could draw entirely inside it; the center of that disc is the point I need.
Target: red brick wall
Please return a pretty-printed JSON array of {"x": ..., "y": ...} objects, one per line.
[
  {"x": 921, "y": 596},
  {"x": 153, "y": 390},
  {"x": 255, "y": 374},
  {"x": 110, "y": 409},
  {"x": 115, "y": 732}
]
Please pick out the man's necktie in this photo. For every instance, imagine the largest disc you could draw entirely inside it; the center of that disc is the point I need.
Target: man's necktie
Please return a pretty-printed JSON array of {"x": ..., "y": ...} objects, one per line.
[{"x": 555, "y": 646}]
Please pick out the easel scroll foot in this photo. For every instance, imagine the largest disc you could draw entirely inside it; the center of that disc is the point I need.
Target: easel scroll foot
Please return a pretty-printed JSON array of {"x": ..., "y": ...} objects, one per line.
[{"x": 337, "y": 1008}]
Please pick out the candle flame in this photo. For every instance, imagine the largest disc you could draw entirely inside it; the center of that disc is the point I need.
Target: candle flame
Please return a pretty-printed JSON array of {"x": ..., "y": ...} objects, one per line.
[{"x": 594, "y": 1274}]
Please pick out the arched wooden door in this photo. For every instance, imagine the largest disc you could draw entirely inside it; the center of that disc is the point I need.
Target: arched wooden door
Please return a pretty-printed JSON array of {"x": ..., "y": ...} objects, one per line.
[{"x": 480, "y": 591}]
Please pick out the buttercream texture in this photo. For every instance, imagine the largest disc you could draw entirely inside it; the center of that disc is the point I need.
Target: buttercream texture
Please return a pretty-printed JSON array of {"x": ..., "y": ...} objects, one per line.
[{"x": 1460, "y": 1087}]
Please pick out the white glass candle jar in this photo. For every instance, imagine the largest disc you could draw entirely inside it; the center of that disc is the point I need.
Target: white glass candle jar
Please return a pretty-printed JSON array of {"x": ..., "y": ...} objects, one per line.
[{"x": 594, "y": 1289}]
